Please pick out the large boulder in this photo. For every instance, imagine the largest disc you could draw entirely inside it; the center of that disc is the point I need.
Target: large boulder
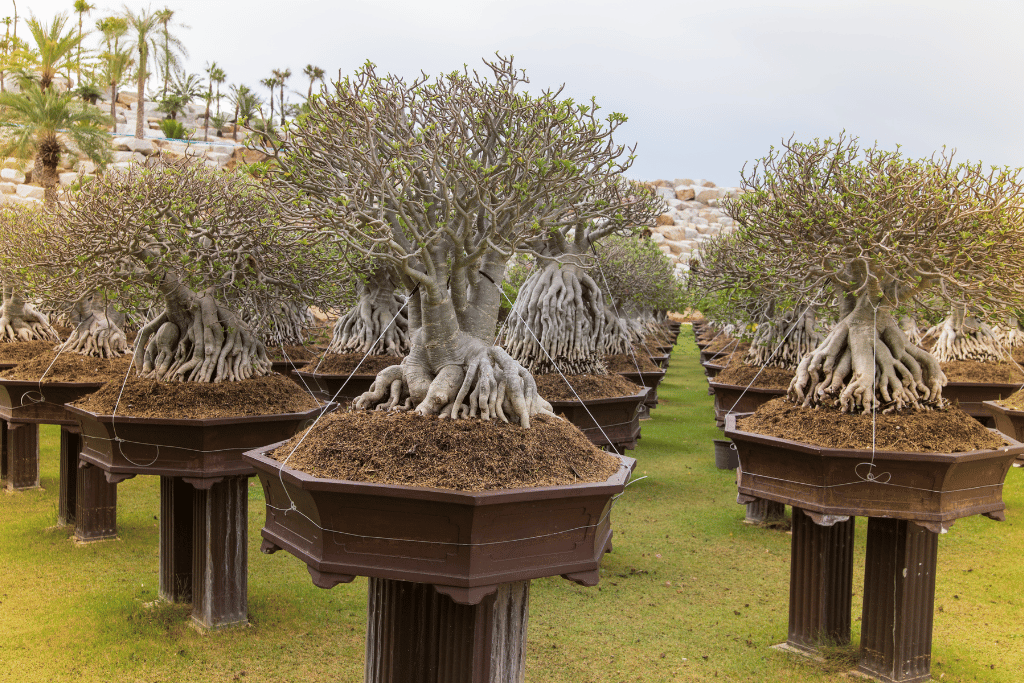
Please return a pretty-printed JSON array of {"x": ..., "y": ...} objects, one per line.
[
  {"x": 665, "y": 219},
  {"x": 30, "y": 192},
  {"x": 706, "y": 196},
  {"x": 684, "y": 193},
  {"x": 127, "y": 157},
  {"x": 133, "y": 144}
]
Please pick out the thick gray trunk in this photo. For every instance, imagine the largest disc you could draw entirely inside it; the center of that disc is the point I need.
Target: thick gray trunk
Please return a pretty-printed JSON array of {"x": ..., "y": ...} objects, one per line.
[
  {"x": 866, "y": 363},
  {"x": 20, "y": 321},
  {"x": 784, "y": 341},
  {"x": 963, "y": 337},
  {"x": 197, "y": 340},
  {"x": 377, "y": 325},
  {"x": 97, "y": 329}
]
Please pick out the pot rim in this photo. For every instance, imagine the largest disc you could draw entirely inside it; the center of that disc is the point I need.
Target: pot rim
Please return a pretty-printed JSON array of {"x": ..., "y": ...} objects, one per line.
[
  {"x": 194, "y": 422},
  {"x": 859, "y": 453},
  {"x": 1009, "y": 412},
  {"x": 307, "y": 482},
  {"x": 565, "y": 403}
]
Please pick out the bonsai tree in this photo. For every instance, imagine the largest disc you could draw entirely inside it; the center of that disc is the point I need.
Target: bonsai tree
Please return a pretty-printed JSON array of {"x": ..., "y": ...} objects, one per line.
[
  {"x": 782, "y": 329},
  {"x": 879, "y": 229},
  {"x": 640, "y": 287},
  {"x": 209, "y": 246},
  {"x": 561, "y": 319},
  {"x": 443, "y": 180},
  {"x": 378, "y": 323},
  {"x": 962, "y": 336},
  {"x": 19, "y": 319}
]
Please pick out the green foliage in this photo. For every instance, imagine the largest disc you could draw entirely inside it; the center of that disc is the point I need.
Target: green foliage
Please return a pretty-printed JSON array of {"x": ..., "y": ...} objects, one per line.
[
  {"x": 636, "y": 275},
  {"x": 174, "y": 129}
]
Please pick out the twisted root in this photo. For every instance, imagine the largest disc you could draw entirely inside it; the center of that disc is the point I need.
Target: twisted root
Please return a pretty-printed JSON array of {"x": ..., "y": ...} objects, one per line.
[{"x": 965, "y": 342}]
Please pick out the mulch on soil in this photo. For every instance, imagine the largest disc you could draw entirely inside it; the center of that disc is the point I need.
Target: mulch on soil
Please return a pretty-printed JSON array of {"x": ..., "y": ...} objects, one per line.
[
  {"x": 974, "y": 371},
  {"x": 15, "y": 352},
  {"x": 741, "y": 374},
  {"x": 464, "y": 455},
  {"x": 949, "y": 430},
  {"x": 727, "y": 344},
  {"x": 291, "y": 352},
  {"x": 1013, "y": 401},
  {"x": 627, "y": 363},
  {"x": 344, "y": 363},
  {"x": 268, "y": 395},
  {"x": 553, "y": 388},
  {"x": 70, "y": 367}
]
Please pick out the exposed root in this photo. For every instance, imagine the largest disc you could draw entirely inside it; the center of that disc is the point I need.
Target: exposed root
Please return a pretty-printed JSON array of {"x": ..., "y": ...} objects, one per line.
[
  {"x": 377, "y": 325},
  {"x": 488, "y": 384},
  {"x": 21, "y": 321},
  {"x": 1009, "y": 333},
  {"x": 558, "y": 321},
  {"x": 911, "y": 330},
  {"x": 287, "y": 324},
  {"x": 867, "y": 364},
  {"x": 965, "y": 338},
  {"x": 211, "y": 345},
  {"x": 96, "y": 330},
  {"x": 783, "y": 342}
]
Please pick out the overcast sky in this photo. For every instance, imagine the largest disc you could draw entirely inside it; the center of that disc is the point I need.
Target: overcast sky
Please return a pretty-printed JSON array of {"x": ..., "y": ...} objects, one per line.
[{"x": 707, "y": 85}]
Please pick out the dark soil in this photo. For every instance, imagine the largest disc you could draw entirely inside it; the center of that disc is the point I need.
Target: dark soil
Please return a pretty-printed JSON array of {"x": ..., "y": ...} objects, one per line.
[
  {"x": 344, "y": 363},
  {"x": 465, "y": 455},
  {"x": 657, "y": 340},
  {"x": 1017, "y": 353},
  {"x": 292, "y": 352},
  {"x": 628, "y": 363},
  {"x": 70, "y": 367},
  {"x": 741, "y": 374},
  {"x": 949, "y": 430},
  {"x": 268, "y": 395},
  {"x": 728, "y": 346},
  {"x": 554, "y": 388},
  {"x": 1013, "y": 401},
  {"x": 11, "y": 352},
  {"x": 973, "y": 371}
]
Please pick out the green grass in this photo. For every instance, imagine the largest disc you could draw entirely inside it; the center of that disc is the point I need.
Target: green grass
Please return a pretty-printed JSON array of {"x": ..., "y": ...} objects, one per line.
[{"x": 690, "y": 593}]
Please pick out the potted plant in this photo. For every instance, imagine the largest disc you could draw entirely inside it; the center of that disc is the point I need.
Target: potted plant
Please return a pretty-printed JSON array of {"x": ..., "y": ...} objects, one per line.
[
  {"x": 877, "y": 229},
  {"x": 442, "y": 180},
  {"x": 200, "y": 391}
]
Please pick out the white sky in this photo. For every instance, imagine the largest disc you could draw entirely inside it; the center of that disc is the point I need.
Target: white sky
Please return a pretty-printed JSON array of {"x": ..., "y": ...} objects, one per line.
[{"x": 706, "y": 85}]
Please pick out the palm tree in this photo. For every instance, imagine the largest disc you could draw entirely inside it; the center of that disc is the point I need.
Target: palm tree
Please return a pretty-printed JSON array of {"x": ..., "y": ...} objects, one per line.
[
  {"x": 171, "y": 45},
  {"x": 81, "y": 7},
  {"x": 36, "y": 116},
  {"x": 218, "y": 76},
  {"x": 5, "y": 50},
  {"x": 143, "y": 26},
  {"x": 247, "y": 104},
  {"x": 211, "y": 71},
  {"x": 116, "y": 61},
  {"x": 54, "y": 49},
  {"x": 272, "y": 84},
  {"x": 281, "y": 75},
  {"x": 313, "y": 73}
]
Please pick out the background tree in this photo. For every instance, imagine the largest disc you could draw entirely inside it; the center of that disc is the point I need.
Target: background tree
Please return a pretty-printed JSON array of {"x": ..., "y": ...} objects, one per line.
[
  {"x": 880, "y": 229},
  {"x": 116, "y": 61},
  {"x": 313, "y": 73},
  {"x": 53, "y": 54},
  {"x": 47, "y": 123},
  {"x": 142, "y": 26},
  {"x": 246, "y": 104},
  {"x": 442, "y": 180},
  {"x": 271, "y": 83},
  {"x": 81, "y": 8},
  {"x": 205, "y": 241},
  {"x": 281, "y": 76},
  {"x": 172, "y": 48}
]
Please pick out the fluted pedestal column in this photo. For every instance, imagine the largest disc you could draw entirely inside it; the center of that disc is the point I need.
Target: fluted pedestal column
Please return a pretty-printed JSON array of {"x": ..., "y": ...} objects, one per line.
[
  {"x": 761, "y": 511},
  {"x": 95, "y": 505},
  {"x": 67, "y": 487},
  {"x": 820, "y": 580},
  {"x": 21, "y": 452},
  {"x": 899, "y": 601},
  {"x": 204, "y": 557},
  {"x": 416, "y": 635}
]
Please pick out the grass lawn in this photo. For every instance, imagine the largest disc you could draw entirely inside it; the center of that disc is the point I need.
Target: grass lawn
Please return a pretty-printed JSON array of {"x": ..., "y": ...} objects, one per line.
[{"x": 689, "y": 594}]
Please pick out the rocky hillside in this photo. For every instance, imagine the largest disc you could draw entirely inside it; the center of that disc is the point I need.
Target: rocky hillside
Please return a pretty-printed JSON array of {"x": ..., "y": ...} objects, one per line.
[{"x": 694, "y": 215}]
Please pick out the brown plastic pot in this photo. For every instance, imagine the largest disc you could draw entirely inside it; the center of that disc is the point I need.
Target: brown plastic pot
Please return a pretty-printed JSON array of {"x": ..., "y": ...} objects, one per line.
[
  {"x": 464, "y": 543},
  {"x": 739, "y": 399},
  {"x": 449, "y": 571},
  {"x": 661, "y": 360},
  {"x": 1008, "y": 421},
  {"x": 180, "y": 447},
  {"x": 606, "y": 422},
  {"x": 651, "y": 380},
  {"x": 712, "y": 370},
  {"x": 970, "y": 397},
  {"x": 909, "y": 500},
  {"x": 334, "y": 387},
  {"x": 34, "y": 402},
  {"x": 930, "y": 489}
]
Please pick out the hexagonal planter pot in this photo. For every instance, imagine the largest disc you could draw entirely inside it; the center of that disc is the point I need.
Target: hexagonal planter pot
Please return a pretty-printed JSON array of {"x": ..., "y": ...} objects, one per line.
[
  {"x": 661, "y": 360},
  {"x": 1009, "y": 422},
  {"x": 607, "y": 422},
  {"x": 203, "y": 496},
  {"x": 971, "y": 396},
  {"x": 909, "y": 497},
  {"x": 651, "y": 380},
  {"x": 340, "y": 387},
  {"x": 449, "y": 570}
]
